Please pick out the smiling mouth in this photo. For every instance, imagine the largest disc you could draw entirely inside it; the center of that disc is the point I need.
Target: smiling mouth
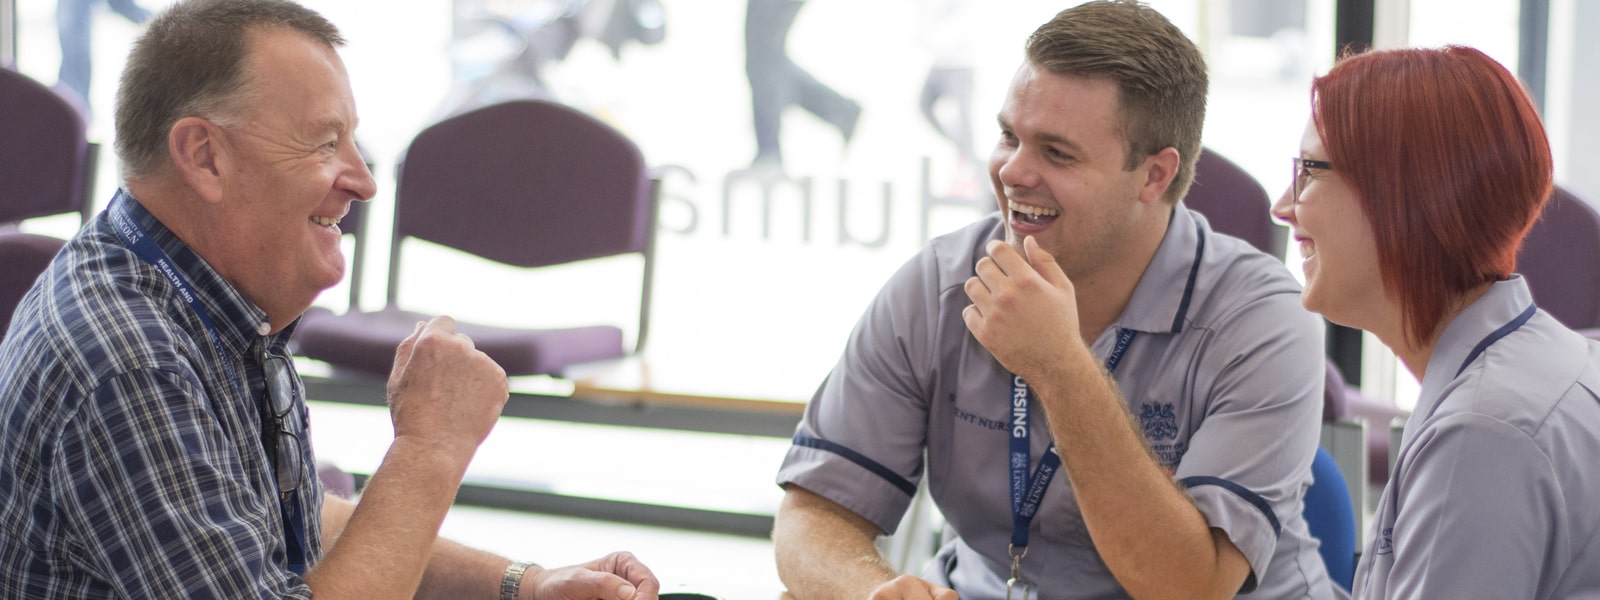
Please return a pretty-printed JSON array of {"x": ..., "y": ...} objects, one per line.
[
  {"x": 324, "y": 221},
  {"x": 1032, "y": 215}
]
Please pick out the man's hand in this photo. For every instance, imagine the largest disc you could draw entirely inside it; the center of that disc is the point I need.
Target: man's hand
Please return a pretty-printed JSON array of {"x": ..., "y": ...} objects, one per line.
[
  {"x": 1024, "y": 310},
  {"x": 443, "y": 390},
  {"x": 616, "y": 576},
  {"x": 907, "y": 587}
]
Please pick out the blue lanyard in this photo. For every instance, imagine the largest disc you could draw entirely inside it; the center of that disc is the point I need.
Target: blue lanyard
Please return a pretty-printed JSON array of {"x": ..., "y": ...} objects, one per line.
[
  {"x": 145, "y": 247},
  {"x": 1026, "y": 492}
]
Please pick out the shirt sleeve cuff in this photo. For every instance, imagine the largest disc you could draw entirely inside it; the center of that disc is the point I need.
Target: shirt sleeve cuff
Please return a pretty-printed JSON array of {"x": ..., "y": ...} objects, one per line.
[
  {"x": 876, "y": 494},
  {"x": 1246, "y": 518}
]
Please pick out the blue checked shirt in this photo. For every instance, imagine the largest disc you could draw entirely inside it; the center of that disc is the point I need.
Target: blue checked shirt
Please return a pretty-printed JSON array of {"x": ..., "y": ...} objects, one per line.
[{"x": 130, "y": 465}]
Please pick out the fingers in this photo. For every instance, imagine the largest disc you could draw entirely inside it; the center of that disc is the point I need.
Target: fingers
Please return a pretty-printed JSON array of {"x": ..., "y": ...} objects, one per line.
[
  {"x": 1043, "y": 262},
  {"x": 441, "y": 323},
  {"x": 629, "y": 567},
  {"x": 579, "y": 582},
  {"x": 909, "y": 587},
  {"x": 1002, "y": 265},
  {"x": 402, "y": 359},
  {"x": 444, "y": 390},
  {"x": 402, "y": 354},
  {"x": 1006, "y": 258},
  {"x": 602, "y": 585}
]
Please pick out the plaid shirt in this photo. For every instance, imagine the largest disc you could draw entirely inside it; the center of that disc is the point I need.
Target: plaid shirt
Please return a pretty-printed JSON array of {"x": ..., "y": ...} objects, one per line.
[{"x": 130, "y": 465}]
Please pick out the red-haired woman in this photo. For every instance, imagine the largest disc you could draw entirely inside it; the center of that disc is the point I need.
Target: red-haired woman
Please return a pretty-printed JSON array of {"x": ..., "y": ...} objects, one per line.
[{"x": 1418, "y": 176}]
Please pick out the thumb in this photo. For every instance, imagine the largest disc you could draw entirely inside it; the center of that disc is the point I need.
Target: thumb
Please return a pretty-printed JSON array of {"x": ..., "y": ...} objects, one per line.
[
  {"x": 402, "y": 354},
  {"x": 1043, "y": 262}
]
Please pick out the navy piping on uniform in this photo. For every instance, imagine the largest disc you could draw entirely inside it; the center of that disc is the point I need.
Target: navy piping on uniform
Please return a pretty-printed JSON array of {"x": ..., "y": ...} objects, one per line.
[
  {"x": 1503, "y": 331},
  {"x": 1194, "y": 272},
  {"x": 1238, "y": 490},
  {"x": 856, "y": 457}
]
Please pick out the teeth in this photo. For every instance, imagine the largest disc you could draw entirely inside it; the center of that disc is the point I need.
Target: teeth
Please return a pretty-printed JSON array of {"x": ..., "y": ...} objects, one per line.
[
  {"x": 1035, "y": 211},
  {"x": 324, "y": 220}
]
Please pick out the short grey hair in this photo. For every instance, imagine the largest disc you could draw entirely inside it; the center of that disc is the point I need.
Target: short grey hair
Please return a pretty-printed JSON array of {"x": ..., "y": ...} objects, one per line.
[{"x": 190, "y": 62}]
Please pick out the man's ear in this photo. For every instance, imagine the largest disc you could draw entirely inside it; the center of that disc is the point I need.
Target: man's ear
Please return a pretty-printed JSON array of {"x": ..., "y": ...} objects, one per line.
[
  {"x": 1159, "y": 169},
  {"x": 198, "y": 156}
]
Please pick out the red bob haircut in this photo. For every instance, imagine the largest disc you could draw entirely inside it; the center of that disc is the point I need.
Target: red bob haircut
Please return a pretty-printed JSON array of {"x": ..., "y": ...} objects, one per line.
[{"x": 1448, "y": 158}]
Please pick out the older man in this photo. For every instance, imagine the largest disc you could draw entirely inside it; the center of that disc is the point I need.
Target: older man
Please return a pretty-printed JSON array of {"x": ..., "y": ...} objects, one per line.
[{"x": 155, "y": 435}]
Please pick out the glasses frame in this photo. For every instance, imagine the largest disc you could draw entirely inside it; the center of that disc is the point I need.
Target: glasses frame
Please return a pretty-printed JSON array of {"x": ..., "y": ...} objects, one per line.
[
  {"x": 288, "y": 423},
  {"x": 1302, "y": 172}
]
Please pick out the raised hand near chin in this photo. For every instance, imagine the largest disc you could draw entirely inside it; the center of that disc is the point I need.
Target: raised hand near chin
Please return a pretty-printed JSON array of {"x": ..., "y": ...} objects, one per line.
[{"x": 1024, "y": 309}]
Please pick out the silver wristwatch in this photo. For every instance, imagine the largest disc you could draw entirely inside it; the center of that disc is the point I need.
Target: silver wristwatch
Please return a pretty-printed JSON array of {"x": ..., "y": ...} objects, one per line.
[{"x": 511, "y": 581}]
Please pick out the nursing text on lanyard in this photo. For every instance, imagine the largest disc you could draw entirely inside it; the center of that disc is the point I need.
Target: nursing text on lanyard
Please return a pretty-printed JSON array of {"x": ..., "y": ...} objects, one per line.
[
  {"x": 143, "y": 245},
  {"x": 1027, "y": 492}
]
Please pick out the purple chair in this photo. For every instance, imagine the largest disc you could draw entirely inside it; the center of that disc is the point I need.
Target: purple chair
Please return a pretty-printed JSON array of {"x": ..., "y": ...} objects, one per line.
[
  {"x": 46, "y": 162},
  {"x": 524, "y": 183},
  {"x": 23, "y": 256},
  {"x": 1235, "y": 204},
  {"x": 46, "y": 168},
  {"x": 1559, "y": 260}
]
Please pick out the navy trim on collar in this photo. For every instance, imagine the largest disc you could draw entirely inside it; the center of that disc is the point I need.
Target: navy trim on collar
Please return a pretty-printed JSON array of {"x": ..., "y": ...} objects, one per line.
[
  {"x": 1194, "y": 273},
  {"x": 1503, "y": 331}
]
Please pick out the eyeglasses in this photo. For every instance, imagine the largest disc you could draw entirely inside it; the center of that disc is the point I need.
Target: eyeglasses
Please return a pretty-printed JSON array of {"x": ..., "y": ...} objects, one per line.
[
  {"x": 287, "y": 422},
  {"x": 1302, "y": 173}
]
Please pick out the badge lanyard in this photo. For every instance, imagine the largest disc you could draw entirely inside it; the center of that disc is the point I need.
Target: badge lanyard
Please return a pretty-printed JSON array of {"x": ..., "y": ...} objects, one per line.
[
  {"x": 145, "y": 247},
  {"x": 1026, "y": 492}
]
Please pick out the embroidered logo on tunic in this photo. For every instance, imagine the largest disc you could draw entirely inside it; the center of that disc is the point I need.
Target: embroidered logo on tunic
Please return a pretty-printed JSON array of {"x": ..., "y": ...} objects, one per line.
[
  {"x": 1160, "y": 421},
  {"x": 1385, "y": 542}
]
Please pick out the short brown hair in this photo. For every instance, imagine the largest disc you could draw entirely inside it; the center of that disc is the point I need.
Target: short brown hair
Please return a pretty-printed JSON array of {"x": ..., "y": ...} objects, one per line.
[
  {"x": 1448, "y": 158},
  {"x": 190, "y": 62},
  {"x": 1160, "y": 75}
]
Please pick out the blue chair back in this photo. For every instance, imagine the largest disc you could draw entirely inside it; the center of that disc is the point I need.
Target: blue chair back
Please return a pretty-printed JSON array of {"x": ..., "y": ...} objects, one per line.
[{"x": 1331, "y": 518}]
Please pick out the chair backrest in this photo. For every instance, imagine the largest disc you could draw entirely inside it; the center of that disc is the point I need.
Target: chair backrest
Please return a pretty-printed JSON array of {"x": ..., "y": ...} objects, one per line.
[
  {"x": 1235, "y": 203},
  {"x": 46, "y": 161},
  {"x": 1330, "y": 517},
  {"x": 23, "y": 256},
  {"x": 1560, "y": 259},
  {"x": 527, "y": 183}
]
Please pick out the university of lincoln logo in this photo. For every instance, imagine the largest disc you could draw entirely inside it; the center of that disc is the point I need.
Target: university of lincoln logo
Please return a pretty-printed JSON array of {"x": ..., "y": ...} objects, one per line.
[{"x": 1159, "y": 421}]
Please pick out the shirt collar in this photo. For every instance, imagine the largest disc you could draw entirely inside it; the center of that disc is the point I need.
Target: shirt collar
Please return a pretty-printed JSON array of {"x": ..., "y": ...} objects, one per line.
[
  {"x": 1503, "y": 303},
  {"x": 1161, "y": 300},
  {"x": 239, "y": 321}
]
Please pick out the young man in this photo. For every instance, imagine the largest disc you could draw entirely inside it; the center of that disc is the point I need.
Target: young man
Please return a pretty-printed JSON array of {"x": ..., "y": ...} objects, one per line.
[
  {"x": 1094, "y": 325},
  {"x": 156, "y": 439}
]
